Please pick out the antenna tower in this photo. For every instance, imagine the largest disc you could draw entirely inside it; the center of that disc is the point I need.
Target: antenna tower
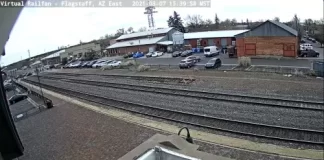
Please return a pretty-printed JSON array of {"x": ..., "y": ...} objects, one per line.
[{"x": 149, "y": 10}]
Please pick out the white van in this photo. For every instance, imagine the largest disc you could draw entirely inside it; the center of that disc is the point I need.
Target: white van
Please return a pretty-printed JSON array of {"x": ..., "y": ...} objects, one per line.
[
  {"x": 211, "y": 51},
  {"x": 306, "y": 46}
]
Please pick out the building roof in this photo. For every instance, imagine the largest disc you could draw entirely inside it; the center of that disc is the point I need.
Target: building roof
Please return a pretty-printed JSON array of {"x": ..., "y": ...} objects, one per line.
[
  {"x": 145, "y": 33},
  {"x": 285, "y": 27},
  {"x": 280, "y": 25},
  {"x": 137, "y": 42},
  {"x": 56, "y": 54},
  {"x": 165, "y": 42},
  {"x": 35, "y": 63},
  {"x": 213, "y": 34}
]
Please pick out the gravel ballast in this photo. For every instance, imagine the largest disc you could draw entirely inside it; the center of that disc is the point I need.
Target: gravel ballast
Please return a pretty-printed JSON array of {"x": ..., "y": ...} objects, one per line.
[
  {"x": 250, "y": 113},
  {"x": 262, "y": 84}
]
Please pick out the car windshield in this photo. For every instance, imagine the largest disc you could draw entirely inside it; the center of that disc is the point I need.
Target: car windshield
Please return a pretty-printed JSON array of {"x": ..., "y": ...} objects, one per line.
[{"x": 212, "y": 61}]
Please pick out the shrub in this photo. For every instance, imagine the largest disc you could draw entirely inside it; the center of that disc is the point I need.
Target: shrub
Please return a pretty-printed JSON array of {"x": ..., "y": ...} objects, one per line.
[
  {"x": 129, "y": 63},
  {"x": 142, "y": 68},
  {"x": 106, "y": 67},
  {"x": 244, "y": 61}
]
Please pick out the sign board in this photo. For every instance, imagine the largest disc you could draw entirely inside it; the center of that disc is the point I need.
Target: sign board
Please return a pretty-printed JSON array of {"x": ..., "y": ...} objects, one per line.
[{"x": 178, "y": 37}]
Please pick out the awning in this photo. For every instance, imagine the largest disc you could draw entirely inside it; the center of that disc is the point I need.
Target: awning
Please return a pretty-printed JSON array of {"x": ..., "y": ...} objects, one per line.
[{"x": 165, "y": 43}]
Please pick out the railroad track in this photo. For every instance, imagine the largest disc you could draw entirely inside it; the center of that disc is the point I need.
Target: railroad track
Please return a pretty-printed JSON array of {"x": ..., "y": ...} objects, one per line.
[
  {"x": 288, "y": 134},
  {"x": 134, "y": 77},
  {"x": 235, "y": 98}
]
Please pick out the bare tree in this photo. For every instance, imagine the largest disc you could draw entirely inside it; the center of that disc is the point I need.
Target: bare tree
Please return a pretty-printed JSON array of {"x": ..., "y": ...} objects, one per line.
[
  {"x": 226, "y": 24},
  {"x": 142, "y": 29},
  {"x": 233, "y": 22},
  {"x": 277, "y": 19},
  {"x": 120, "y": 32},
  {"x": 194, "y": 21},
  {"x": 130, "y": 30},
  {"x": 208, "y": 22}
]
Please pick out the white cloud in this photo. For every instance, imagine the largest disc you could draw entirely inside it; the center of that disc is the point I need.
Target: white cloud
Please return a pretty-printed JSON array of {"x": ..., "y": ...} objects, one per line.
[{"x": 39, "y": 29}]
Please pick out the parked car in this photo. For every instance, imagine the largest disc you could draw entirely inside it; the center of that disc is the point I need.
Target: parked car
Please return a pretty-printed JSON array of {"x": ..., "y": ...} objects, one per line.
[
  {"x": 211, "y": 51},
  {"x": 129, "y": 55},
  {"x": 89, "y": 65},
  {"x": 157, "y": 54},
  {"x": 194, "y": 58},
  {"x": 16, "y": 98},
  {"x": 76, "y": 64},
  {"x": 101, "y": 63},
  {"x": 308, "y": 53},
  {"x": 138, "y": 55},
  {"x": 302, "y": 41},
  {"x": 84, "y": 64},
  {"x": 176, "y": 54},
  {"x": 213, "y": 63},
  {"x": 114, "y": 63},
  {"x": 306, "y": 46},
  {"x": 149, "y": 54},
  {"x": 186, "y": 63},
  {"x": 8, "y": 86},
  {"x": 96, "y": 63},
  {"x": 186, "y": 53}
]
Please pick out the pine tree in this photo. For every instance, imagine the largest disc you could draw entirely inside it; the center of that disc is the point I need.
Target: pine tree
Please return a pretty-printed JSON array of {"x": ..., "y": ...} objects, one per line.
[
  {"x": 216, "y": 21},
  {"x": 175, "y": 21}
]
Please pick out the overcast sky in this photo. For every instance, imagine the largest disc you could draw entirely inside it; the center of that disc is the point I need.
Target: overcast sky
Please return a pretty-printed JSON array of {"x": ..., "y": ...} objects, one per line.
[{"x": 44, "y": 29}]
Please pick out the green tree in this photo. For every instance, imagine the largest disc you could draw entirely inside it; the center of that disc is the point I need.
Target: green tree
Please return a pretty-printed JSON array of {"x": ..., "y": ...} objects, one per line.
[
  {"x": 217, "y": 21},
  {"x": 176, "y": 22}
]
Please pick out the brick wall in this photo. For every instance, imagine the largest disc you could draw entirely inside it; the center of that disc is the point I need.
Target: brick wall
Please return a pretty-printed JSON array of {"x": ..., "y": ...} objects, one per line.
[{"x": 272, "y": 46}]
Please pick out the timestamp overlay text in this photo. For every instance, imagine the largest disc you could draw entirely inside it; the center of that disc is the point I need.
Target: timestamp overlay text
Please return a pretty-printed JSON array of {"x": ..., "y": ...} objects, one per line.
[{"x": 106, "y": 3}]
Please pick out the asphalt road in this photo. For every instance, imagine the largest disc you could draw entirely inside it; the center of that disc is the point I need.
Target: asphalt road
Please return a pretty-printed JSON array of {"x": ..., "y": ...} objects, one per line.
[
  {"x": 228, "y": 61},
  {"x": 317, "y": 47}
]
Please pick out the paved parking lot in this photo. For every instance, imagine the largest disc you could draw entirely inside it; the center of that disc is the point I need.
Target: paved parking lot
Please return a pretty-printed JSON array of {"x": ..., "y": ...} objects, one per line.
[
  {"x": 227, "y": 61},
  {"x": 317, "y": 47}
]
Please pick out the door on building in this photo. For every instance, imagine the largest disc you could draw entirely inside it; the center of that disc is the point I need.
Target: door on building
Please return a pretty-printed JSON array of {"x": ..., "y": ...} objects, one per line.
[
  {"x": 289, "y": 50},
  {"x": 250, "y": 49},
  {"x": 223, "y": 42},
  {"x": 211, "y": 42}
]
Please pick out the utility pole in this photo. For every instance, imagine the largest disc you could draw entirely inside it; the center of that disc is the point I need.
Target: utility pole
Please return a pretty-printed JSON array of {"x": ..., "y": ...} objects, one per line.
[{"x": 39, "y": 85}]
